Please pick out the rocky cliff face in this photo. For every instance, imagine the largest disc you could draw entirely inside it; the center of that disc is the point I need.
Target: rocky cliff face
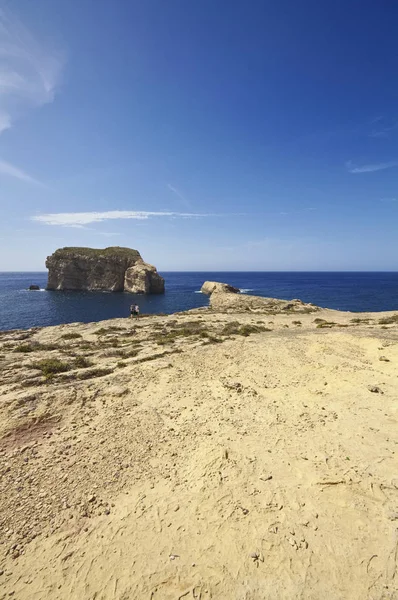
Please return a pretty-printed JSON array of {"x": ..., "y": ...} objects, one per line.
[{"x": 111, "y": 269}]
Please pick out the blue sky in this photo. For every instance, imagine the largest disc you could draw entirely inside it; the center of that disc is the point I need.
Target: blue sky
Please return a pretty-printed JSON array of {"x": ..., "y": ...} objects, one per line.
[{"x": 211, "y": 135}]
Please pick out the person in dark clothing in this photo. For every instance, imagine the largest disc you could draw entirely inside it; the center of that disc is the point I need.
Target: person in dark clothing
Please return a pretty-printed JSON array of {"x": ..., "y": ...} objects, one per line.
[{"x": 134, "y": 310}]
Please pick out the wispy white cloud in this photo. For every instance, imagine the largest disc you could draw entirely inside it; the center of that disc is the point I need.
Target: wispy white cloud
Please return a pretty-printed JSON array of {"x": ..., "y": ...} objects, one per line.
[
  {"x": 178, "y": 193},
  {"x": 371, "y": 168},
  {"x": 80, "y": 219},
  {"x": 382, "y": 127},
  {"x": 13, "y": 171},
  {"x": 29, "y": 72},
  {"x": 388, "y": 199}
]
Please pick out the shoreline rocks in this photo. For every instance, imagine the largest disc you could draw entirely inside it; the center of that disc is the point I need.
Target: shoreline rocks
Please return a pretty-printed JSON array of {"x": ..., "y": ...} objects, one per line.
[
  {"x": 226, "y": 298},
  {"x": 215, "y": 286}
]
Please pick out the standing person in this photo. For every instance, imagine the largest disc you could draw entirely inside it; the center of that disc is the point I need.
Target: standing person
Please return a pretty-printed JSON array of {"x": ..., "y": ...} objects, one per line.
[{"x": 134, "y": 310}]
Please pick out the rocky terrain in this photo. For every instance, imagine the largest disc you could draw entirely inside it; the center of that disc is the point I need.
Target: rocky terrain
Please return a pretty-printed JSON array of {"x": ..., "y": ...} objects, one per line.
[
  {"x": 111, "y": 269},
  {"x": 207, "y": 454},
  {"x": 224, "y": 298}
]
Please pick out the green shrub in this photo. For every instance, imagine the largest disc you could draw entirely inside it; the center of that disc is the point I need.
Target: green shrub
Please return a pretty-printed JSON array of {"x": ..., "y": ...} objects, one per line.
[{"x": 51, "y": 366}]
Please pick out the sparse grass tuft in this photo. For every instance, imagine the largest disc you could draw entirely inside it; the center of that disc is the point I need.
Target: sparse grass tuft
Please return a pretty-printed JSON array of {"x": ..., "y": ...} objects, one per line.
[
  {"x": 71, "y": 336},
  {"x": 85, "y": 346},
  {"x": 326, "y": 325},
  {"x": 388, "y": 320},
  {"x": 357, "y": 320},
  {"x": 24, "y": 348},
  {"x": 236, "y": 328},
  {"x": 81, "y": 362},
  {"x": 35, "y": 347},
  {"x": 110, "y": 329}
]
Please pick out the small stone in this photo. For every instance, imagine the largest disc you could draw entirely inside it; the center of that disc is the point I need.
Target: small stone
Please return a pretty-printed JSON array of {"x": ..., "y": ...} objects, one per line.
[
  {"x": 393, "y": 516},
  {"x": 375, "y": 389},
  {"x": 107, "y": 511},
  {"x": 273, "y": 529},
  {"x": 254, "y": 555},
  {"x": 384, "y": 359},
  {"x": 266, "y": 477}
]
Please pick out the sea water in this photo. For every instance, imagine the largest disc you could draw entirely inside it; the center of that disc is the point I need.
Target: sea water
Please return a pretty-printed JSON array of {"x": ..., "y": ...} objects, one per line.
[{"x": 357, "y": 292}]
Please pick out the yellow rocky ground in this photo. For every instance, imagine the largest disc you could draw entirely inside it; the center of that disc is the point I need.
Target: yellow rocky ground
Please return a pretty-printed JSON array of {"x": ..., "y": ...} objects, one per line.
[{"x": 201, "y": 455}]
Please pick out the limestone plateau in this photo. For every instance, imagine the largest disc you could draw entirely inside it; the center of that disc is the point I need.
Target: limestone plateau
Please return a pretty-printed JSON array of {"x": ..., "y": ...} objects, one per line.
[{"x": 112, "y": 269}]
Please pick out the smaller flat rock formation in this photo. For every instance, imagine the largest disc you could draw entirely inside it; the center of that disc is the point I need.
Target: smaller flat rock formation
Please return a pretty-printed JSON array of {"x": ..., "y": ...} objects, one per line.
[
  {"x": 215, "y": 286},
  {"x": 34, "y": 287},
  {"x": 224, "y": 298},
  {"x": 112, "y": 269}
]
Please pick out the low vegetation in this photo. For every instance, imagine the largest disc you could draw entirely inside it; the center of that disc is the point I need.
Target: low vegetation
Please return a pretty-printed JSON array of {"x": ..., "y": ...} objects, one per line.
[
  {"x": 389, "y": 320},
  {"x": 110, "y": 329},
  {"x": 73, "y": 335},
  {"x": 115, "y": 251},
  {"x": 34, "y": 347},
  {"x": 326, "y": 324},
  {"x": 357, "y": 321},
  {"x": 51, "y": 366},
  {"x": 81, "y": 362},
  {"x": 236, "y": 328}
]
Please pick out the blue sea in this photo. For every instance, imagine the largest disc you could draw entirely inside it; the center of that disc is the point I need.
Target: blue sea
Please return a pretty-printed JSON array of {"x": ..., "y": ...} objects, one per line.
[{"x": 357, "y": 292}]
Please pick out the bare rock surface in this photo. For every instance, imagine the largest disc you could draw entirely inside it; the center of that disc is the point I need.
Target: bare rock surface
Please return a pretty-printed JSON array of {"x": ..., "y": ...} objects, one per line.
[
  {"x": 112, "y": 269},
  {"x": 201, "y": 455},
  {"x": 215, "y": 286},
  {"x": 226, "y": 298}
]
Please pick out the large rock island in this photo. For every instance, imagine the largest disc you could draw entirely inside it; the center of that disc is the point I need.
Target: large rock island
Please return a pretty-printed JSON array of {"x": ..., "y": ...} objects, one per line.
[{"x": 112, "y": 269}]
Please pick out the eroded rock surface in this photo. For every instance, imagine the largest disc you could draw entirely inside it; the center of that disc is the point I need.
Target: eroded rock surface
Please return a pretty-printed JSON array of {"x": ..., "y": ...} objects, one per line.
[
  {"x": 215, "y": 286},
  {"x": 110, "y": 269},
  {"x": 226, "y": 298}
]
